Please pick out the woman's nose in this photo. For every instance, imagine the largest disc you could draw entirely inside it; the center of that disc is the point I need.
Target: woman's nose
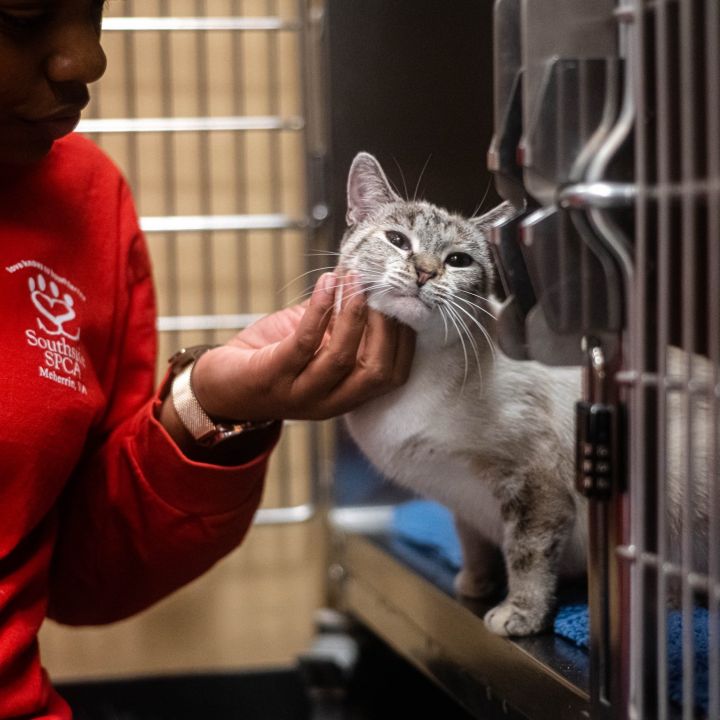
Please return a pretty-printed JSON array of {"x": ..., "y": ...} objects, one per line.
[{"x": 76, "y": 55}]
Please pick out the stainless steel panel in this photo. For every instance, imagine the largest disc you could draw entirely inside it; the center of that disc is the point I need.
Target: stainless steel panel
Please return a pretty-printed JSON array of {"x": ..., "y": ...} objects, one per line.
[{"x": 450, "y": 643}]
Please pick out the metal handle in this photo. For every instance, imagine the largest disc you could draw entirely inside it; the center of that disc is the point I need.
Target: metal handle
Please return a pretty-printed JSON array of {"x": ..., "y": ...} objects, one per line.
[{"x": 597, "y": 195}]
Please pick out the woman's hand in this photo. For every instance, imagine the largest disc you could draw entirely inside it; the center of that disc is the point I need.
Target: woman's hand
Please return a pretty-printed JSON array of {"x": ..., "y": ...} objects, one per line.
[{"x": 297, "y": 364}]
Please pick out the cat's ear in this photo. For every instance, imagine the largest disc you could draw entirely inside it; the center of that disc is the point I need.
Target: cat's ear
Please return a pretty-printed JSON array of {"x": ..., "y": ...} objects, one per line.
[
  {"x": 498, "y": 215},
  {"x": 367, "y": 188}
]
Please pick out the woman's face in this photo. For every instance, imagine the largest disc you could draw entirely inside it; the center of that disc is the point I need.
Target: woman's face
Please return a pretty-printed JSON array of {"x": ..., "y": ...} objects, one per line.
[{"x": 49, "y": 53}]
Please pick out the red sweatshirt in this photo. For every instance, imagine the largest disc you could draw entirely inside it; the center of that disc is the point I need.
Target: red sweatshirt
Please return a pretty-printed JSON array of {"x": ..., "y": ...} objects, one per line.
[{"x": 100, "y": 513}]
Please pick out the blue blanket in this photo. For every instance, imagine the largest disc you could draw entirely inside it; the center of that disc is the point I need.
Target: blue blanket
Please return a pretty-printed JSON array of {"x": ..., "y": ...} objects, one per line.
[
  {"x": 571, "y": 622},
  {"x": 429, "y": 526}
]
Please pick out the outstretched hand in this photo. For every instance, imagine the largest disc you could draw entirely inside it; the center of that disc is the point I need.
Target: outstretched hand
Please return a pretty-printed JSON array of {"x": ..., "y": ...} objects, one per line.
[{"x": 311, "y": 361}]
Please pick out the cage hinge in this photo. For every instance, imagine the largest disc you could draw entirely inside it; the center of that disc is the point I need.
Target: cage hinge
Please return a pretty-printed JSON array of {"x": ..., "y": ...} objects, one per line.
[{"x": 595, "y": 452}]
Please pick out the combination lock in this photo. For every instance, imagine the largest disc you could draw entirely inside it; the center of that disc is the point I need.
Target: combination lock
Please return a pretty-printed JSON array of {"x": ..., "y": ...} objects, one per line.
[{"x": 595, "y": 457}]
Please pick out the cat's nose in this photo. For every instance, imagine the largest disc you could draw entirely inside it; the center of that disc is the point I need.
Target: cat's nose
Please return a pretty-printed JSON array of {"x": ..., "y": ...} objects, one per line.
[{"x": 424, "y": 275}]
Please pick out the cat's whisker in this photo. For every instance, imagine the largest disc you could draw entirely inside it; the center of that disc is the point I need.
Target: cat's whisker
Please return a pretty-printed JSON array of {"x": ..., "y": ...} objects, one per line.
[
  {"x": 363, "y": 290},
  {"x": 444, "y": 319},
  {"x": 451, "y": 315},
  {"x": 475, "y": 305},
  {"x": 305, "y": 274},
  {"x": 402, "y": 175},
  {"x": 302, "y": 296},
  {"x": 308, "y": 290},
  {"x": 360, "y": 281},
  {"x": 314, "y": 252},
  {"x": 490, "y": 302},
  {"x": 480, "y": 326},
  {"x": 484, "y": 197},
  {"x": 419, "y": 180},
  {"x": 483, "y": 330},
  {"x": 468, "y": 333},
  {"x": 475, "y": 350}
]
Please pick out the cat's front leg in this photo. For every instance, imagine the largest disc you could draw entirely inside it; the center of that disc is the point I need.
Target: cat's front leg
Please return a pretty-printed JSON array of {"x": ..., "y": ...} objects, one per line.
[
  {"x": 482, "y": 573},
  {"x": 537, "y": 526}
]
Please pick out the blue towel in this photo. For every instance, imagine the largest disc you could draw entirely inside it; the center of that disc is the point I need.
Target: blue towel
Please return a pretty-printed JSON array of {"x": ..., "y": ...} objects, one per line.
[
  {"x": 571, "y": 622},
  {"x": 429, "y": 526}
]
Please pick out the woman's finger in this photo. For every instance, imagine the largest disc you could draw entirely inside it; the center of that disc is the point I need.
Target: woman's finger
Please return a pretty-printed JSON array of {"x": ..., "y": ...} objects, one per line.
[
  {"x": 404, "y": 353},
  {"x": 338, "y": 356},
  {"x": 379, "y": 348},
  {"x": 294, "y": 353}
]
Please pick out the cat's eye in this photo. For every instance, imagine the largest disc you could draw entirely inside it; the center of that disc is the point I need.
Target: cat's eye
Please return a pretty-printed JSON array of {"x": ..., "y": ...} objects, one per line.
[
  {"x": 397, "y": 239},
  {"x": 459, "y": 260}
]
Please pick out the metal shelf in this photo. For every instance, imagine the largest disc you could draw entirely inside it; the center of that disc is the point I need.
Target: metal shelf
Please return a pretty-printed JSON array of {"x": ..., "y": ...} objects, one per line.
[{"x": 407, "y": 600}]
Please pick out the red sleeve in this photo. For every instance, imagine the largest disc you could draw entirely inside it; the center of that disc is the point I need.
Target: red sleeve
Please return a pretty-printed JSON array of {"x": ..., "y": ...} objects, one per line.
[{"x": 139, "y": 519}]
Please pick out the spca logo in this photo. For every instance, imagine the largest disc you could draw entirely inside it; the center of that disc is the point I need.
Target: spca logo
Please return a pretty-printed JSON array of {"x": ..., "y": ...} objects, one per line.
[
  {"x": 56, "y": 332},
  {"x": 56, "y": 312}
]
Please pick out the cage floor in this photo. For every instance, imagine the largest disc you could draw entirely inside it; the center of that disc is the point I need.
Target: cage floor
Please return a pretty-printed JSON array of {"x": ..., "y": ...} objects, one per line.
[{"x": 406, "y": 598}]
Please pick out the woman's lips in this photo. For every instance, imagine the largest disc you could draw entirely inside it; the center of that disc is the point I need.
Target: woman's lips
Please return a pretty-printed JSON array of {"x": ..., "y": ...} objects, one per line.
[{"x": 56, "y": 127}]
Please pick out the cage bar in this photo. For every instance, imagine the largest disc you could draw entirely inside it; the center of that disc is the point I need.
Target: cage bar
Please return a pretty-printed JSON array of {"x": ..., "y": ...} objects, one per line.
[
  {"x": 198, "y": 124},
  {"x": 712, "y": 130},
  {"x": 198, "y": 24}
]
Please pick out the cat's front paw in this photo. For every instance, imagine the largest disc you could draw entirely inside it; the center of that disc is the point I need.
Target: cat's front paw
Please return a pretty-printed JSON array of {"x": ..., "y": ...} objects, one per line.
[
  {"x": 474, "y": 586},
  {"x": 509, "y": 619}
]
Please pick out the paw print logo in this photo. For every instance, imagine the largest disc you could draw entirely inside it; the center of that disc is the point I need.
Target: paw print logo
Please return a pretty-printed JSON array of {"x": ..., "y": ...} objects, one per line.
[{"x": 55, "y": 310}]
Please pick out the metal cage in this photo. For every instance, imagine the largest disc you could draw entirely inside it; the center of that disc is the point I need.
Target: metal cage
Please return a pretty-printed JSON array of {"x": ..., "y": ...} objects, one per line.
[
  {"x": 614, "y": 111},
  {"x": 673, "y": 359},
  {"x": 206, "y": 108}
]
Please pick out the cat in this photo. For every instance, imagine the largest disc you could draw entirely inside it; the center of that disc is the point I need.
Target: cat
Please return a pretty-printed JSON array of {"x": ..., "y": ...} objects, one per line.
[{"x": 489, "y": 437}]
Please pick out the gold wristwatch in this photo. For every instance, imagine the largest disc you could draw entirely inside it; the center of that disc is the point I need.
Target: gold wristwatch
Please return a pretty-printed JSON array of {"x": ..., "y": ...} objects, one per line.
[{"x": 206, "y": 431}]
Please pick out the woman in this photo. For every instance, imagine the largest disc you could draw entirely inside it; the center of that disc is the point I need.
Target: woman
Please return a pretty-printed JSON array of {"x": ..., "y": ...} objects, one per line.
[{"x": 113, "y": 495}]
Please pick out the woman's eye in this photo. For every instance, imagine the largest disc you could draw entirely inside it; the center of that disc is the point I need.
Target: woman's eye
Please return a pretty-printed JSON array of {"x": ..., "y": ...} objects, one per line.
[
  {"x": 459, "y": 260},
  {"x": 397, "y": 239},
  {"x": 22, "y": 21}
]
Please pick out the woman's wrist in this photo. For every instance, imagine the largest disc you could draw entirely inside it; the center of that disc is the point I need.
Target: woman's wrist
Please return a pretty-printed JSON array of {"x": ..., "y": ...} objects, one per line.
[
  {"x": 236, "y": 450},
  {"x": 199, "y": 436}
]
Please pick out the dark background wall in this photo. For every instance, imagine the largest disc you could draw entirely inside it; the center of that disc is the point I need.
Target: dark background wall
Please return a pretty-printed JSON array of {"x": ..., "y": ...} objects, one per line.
[{"x": 411, "y": 82}]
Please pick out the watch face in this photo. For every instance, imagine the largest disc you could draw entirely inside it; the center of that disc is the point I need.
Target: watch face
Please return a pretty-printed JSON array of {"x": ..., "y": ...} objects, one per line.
[{"x": 183, "y": 357}]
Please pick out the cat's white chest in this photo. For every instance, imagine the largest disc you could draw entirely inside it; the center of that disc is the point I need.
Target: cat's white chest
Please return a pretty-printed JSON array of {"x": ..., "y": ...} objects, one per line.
[
  {"x": 416, "y": 438},
  {"x": 392, "y": 427}
]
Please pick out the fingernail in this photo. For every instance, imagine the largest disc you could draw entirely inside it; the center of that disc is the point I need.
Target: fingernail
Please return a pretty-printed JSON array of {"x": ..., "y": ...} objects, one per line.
[{"x": 328, "y": 283}]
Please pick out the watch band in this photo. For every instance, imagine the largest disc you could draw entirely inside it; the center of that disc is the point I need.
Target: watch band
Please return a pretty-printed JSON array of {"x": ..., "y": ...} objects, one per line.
[{"x": 198, "y": 423}]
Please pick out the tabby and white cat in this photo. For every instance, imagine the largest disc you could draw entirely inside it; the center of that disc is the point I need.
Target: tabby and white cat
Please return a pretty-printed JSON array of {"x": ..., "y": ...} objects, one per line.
[{"x": 490, "y": 437}]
